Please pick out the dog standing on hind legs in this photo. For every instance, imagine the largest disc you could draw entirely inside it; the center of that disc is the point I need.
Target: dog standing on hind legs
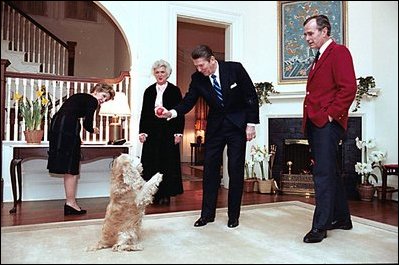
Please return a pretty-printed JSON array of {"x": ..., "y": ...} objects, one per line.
[{"x": 129, "y": 196}]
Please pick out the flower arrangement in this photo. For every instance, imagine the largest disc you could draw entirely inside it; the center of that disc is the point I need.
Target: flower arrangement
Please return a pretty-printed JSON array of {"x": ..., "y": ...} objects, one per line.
[
  {"x": 249, "y": 169},
  {"x": 263, "y": 90},
  {"x": 369, "y": 161},
  {"x": 363, "y": 88},
  {"x": 258, "y": 155},
  {"x": 33, "y": 111}
]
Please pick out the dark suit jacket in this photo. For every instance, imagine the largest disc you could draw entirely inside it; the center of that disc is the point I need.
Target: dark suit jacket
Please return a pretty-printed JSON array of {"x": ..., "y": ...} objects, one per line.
[
  {"x": 239, "y": 97},
  {"x": 331, "y": 87}
]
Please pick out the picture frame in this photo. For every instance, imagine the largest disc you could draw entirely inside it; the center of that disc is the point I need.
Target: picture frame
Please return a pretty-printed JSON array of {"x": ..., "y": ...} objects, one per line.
[{"x": 295, "y": 56}]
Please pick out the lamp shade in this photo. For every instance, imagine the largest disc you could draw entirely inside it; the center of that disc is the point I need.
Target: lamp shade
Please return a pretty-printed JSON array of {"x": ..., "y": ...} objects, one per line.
[{"x": 119, "y": 106}]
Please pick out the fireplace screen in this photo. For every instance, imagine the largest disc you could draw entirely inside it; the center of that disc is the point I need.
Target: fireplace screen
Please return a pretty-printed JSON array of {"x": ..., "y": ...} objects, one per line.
[{"x": 297, "y": 159}]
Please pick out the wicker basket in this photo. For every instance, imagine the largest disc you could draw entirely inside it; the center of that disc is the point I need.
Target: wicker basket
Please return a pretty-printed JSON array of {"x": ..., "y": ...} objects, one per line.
[
  {"x": 366, "y": 192},
  {"x": 388, "y": 193}
]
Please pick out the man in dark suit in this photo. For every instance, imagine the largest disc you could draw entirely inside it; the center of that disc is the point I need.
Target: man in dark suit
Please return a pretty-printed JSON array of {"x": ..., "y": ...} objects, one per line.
[
  {"x": 233, "y": 113},
  {"x": 330, "y": 90}
]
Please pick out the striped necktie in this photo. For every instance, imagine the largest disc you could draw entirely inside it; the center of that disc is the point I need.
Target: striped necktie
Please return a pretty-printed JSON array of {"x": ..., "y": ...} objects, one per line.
[{"x": 218, "y": 89}]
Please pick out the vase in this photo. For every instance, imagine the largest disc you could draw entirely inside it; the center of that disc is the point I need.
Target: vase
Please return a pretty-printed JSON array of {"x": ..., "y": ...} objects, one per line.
[
  {"x": 366, "y": 192},
  {"x": 249, "y": 184},
  {"x": 34, "y": 137}
]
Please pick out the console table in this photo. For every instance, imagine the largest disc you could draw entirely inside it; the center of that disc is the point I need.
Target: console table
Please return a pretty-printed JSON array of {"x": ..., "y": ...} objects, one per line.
[
  {"x": 30, "y": 151},
  {"x": 197, "y": 151}
]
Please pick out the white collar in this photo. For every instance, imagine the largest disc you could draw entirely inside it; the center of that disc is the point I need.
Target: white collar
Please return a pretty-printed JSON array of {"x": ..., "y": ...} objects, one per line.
[{"x": 324, "y": 46}]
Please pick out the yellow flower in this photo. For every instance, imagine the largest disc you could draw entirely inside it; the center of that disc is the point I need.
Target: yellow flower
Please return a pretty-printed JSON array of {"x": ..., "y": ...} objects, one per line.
[{"x": 33, "y": 111}]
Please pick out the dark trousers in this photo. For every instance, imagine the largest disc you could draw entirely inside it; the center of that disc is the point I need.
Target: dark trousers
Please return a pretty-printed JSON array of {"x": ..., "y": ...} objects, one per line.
[
  {"x": 235, "y": 139},
  {"x": 331, "y": 202}
]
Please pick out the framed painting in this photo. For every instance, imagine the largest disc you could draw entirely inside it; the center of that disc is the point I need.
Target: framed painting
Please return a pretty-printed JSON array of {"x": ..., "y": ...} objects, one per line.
[{"x": 295, "y": 56}]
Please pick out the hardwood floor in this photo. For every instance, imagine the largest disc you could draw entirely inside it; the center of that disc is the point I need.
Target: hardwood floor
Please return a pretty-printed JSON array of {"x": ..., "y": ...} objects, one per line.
[{"x": 36, "y": 212}]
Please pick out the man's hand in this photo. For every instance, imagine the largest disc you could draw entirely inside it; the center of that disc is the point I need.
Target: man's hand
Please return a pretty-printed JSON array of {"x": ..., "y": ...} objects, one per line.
[
  {"x": 161, "y": 112},
  {"x": 251, "y": 133}
]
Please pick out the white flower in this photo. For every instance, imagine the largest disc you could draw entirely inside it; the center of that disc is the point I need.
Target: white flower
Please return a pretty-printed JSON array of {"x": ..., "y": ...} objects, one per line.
[
  {"x": 363, "y": 168},
  {"x": 377, "y": 156},
  {"x": 250, "y": 163},
  {"x": 369, "y": 161},
  {"x": 258, "y": 155}
]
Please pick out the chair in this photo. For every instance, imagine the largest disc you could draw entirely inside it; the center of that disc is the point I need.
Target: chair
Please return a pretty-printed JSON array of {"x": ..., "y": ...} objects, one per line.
[{"x": 388, "y": 170}]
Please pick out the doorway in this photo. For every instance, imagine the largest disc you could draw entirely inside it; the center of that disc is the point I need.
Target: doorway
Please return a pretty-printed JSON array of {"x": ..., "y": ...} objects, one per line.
[{"x": 191, "y": 33}]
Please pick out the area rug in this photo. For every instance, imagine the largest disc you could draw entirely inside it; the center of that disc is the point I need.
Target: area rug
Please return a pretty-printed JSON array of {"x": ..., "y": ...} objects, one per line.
[{"x": 268, "y": 233}]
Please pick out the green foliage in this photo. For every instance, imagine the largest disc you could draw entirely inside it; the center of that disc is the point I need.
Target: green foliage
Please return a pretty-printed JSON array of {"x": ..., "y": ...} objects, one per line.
[
  {"x": 263, "y": 90},
  {"x": 363, "y": 88},
  {"x": 33, "y": 111}
]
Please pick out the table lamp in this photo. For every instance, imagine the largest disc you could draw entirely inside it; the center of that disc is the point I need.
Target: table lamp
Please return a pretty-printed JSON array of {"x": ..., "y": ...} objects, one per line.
[{"x": 116, "y": 108}]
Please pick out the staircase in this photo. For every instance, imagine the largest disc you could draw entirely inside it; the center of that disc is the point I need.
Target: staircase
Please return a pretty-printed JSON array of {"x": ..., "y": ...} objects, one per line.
[
  {"x": 17, "y": 60},
  {"x": 30, "y": 47}
]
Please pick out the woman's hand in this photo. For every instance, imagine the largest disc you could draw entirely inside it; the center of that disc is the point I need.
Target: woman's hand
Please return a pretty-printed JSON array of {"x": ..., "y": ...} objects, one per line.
[
  {"x": 178, "y": 139},
  {"x": 96, "y": 130},
  {"x": 142, "y": 137}
]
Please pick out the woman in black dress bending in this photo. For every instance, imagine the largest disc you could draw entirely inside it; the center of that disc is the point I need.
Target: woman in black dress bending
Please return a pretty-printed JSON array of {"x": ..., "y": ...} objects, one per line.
[{"x": 64, "y": 138}]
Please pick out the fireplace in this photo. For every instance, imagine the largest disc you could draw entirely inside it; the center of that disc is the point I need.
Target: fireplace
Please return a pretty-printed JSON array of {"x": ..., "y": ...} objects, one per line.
[
  {"x": 297, "y": 158},
  {"x": 286, "y": 134}
]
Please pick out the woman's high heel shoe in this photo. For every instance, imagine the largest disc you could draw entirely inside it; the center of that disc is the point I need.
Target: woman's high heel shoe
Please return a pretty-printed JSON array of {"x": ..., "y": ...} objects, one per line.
[{"x": 68, "y": 210}]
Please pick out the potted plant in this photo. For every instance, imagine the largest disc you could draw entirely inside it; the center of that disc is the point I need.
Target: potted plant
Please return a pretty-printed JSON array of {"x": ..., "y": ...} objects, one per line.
[
  {"x": 259, "y": 155},
  {"x": 249, "y": 177},
  {"x": 365, "y": 87},
  {"x": 32, "y": 112},
  {"x": 263, "y": 90},
  {"x": 365, "y": 168}
]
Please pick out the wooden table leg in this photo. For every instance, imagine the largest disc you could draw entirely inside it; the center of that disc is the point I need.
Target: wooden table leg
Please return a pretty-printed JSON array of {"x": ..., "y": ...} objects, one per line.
[{"x": 15, "y": 163}]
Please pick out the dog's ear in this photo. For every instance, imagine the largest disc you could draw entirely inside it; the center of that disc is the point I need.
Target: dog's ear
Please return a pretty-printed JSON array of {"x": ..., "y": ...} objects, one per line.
[{"x": 121, "y": 164}]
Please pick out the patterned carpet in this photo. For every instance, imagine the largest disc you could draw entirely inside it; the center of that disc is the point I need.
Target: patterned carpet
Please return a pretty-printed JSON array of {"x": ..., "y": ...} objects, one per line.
[{"x": 268, "y": 234}]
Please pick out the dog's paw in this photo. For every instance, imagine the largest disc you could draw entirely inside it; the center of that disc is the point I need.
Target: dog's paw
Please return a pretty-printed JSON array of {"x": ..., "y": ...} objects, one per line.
[
  {"x": 95, "y": 247},
  {"x": 120, "y": 248},
  {"x": 157, "y": 178}
]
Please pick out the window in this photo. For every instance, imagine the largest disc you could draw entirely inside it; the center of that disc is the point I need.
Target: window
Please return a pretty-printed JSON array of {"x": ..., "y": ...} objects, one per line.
[
  {"x": 32, "y": 7},
  {"x": 82, "y": 10}
]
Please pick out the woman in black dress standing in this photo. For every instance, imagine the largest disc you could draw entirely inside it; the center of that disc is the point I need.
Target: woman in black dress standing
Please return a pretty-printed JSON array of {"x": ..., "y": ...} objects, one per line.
[
  {"x": 64, "y": 138},
  {"x": 161, "y": 138}
]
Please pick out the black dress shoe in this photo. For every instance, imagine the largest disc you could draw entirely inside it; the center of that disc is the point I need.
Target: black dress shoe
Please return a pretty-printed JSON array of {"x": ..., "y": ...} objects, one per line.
[
  {"x": 232, "y": 223},
  {"x": 315, "y": 235},
  {"x": 345, "y": 225},
  {"x": 203, "y": 221},
  {"x": 68, "y": 210}
]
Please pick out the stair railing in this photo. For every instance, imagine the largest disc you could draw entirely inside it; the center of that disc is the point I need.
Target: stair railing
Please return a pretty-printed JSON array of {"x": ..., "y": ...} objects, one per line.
[
  {"x": 41, "y": 46},
  {"x": 59, "y": 88}
]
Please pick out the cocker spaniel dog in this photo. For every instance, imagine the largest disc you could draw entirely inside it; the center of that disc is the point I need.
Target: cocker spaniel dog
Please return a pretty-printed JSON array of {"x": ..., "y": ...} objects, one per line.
[{"x": 129, "y": 196}]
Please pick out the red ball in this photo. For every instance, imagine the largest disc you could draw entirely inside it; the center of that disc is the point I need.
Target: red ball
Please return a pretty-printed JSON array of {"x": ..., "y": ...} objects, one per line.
[{"x": 160, "y": 111}]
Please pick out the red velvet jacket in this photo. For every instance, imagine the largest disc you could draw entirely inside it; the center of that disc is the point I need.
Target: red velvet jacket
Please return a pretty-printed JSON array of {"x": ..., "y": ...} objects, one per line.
[{"x": 331, "y": 87}]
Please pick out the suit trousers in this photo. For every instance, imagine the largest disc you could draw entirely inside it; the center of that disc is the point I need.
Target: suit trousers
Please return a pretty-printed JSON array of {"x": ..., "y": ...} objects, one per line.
[
  {"x": 331, "y": 202},
  {"x": 235, "y": 139}
]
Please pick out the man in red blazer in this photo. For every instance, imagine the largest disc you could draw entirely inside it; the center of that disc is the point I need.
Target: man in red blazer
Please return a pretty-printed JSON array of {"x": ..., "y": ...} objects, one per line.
[{"x": 330, "y": 90}]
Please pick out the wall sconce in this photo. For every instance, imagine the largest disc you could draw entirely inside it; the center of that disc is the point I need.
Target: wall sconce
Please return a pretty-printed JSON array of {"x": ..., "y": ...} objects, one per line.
[{"x": 116, "y": 108}]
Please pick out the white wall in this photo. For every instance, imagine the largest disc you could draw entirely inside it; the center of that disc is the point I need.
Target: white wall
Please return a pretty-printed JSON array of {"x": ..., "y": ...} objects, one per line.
[{"x": 150, "y": 33}]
